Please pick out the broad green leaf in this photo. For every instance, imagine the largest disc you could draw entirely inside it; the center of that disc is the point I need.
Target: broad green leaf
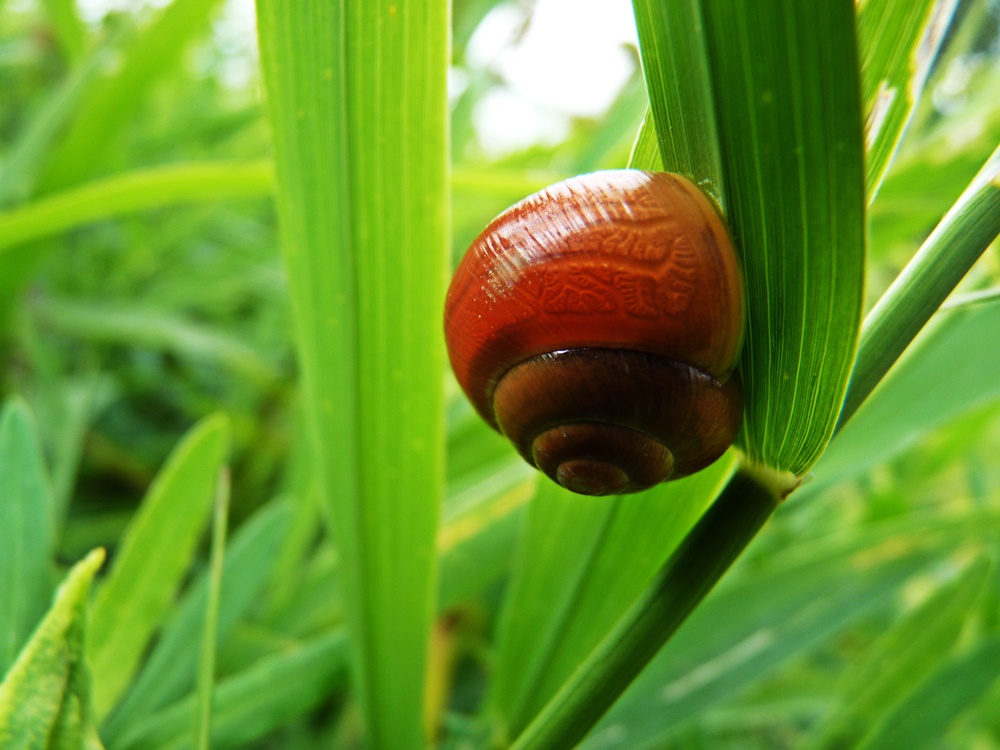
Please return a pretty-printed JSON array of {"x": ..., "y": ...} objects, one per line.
[
  {"x": 785, "y": 79},
  {"x": 950, "y": 370},
  {"x": 27, "y": 531},
  {"x": 922, "y": 720},
  {"x": 579, "y": 566},
  {"x": 899, "y": 43},
  {"x": 113, "y": 103},
  {"x": 358, "y": 107},
  {"x": 45, "y": 697},
  {"x": 129, "y": 192},
  {"x": 900, "y": 660},
  {"x": 152, "y": 560},
  {"x": 169, "y": 671},
  {"x": 251, "y": 703}
]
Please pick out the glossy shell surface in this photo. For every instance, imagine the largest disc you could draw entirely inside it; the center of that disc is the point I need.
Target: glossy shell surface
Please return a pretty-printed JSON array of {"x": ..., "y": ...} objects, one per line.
[{"x": 620, "y": 259}]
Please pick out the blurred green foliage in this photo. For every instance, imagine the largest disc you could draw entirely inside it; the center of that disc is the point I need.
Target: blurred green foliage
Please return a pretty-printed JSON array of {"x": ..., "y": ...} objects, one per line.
[{"x": 122, "y": 334}]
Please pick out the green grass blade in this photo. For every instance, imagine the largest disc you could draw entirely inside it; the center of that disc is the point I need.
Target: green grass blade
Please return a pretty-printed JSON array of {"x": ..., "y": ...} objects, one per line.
[
  {"x": 68, "y": 26},
  {"x": 27, "y": 531},
  {"x": 743, "y": 633},
  {"x": 476, "y": 545},
  {"x": 775, "y": 86},
  {"x": 579, "y": 567},
  {"x": 690, "y": 573},
  {"x": 132, "y": 325},
  {"x": 45, "y": 697},
  {"x": 251, "y": 703},
  {"x": 206, "y": 661},
  {"x": 950, "y": 370},
  {"x": 770, "y": 613},
  {"x": 26, "y": 158},
  {"x": 112, "y": 105},
  {"x": 153, "y": 558},
  {"x": 646, "y": 149},
  {"x": 130, "y": 192},
  {"x": 900, "y": 660},
  {"x": 922, "y": 720},
  {"x": 785, "y": 78},
  {"x": 934, "y": 167},
  {"x": 169, "y": 671},
  {"x": 679, "y": 78},
  {"x": 899, "y": 44},
  {"x": 953, "y": 247},
  {"x": 357, "y": 102}
]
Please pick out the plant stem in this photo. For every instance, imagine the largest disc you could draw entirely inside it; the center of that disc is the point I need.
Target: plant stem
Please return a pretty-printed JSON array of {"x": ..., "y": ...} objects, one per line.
[
  {"x": 685, "y": 579},
  {"x": 941, "y": 263}
]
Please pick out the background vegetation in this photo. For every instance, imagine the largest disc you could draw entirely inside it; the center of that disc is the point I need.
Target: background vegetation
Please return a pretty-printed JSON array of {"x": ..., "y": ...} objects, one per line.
[{"x": 152, "y": 333}]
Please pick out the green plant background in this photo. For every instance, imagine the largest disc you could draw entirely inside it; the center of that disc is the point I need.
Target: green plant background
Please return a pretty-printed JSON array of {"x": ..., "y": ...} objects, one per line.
[{"x": 220, "y": 350}]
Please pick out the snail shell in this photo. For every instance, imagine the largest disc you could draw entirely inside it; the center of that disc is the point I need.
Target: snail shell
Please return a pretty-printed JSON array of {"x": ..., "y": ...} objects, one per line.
[{"x": 597, "y": 323}]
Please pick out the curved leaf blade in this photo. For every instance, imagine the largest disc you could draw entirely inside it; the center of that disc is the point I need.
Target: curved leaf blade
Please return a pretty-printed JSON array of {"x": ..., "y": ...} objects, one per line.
[
  {"x": 27, "y": 531},
  {"x": 153, "y": 558}
]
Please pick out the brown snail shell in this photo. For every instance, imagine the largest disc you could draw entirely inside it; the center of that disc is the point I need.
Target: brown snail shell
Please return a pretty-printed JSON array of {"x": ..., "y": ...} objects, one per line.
[{"x": 597, "y": 323}]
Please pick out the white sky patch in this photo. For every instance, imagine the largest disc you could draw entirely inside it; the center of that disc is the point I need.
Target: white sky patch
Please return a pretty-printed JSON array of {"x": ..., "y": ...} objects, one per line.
[
  {"x": 570, "y": 61},
  {"x": 93, "y": 11}
]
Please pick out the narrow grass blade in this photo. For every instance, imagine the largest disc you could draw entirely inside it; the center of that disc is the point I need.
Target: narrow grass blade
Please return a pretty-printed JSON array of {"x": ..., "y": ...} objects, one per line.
[
  {"x": 478, "y": 536},
  {"x": 771, "y": 613},
  {"x": 901, "y": 660},
  {"x": 251, "y": 703},
  {"x": 923, "y": 719},
  {"x": 206, "y": 661},
  {"x": 953, "y": 247},
  {"x": 45, "y": 697},
  {"x": 690, "y": 573},
  {"x": 130, "y": 192},
  {"x": 168, "y": 673},
  {"x": 743, "y": 633},
  {"x": 899, "y": 44},
  {"x": 937, "y": 162},
  {"x": 152, "y": 560},
  {"x": 646, "y": 149},
  {"x": 579, "y": 567},
  {"x": 27, "y": 156},
  {"x": 679, "y": 77},
  {"x": 950, "y": 370},
  {"x": 357, "y": 102},
  {"x": 27, "y": 531},
  {"x": 131, "y": 325},
  {"x": 113, "y": 103}
]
